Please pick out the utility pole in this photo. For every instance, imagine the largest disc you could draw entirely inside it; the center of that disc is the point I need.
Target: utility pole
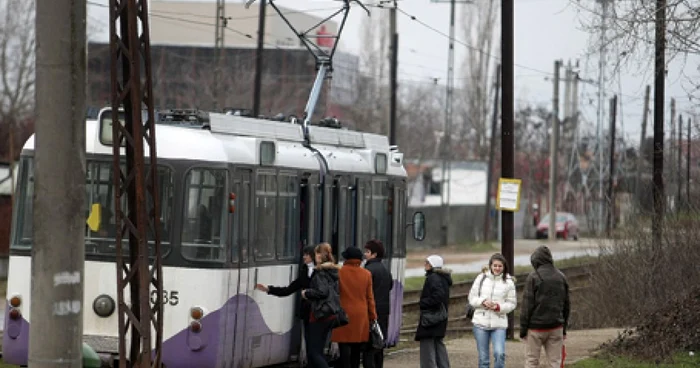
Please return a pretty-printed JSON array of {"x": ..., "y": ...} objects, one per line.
[
  {"x": 259, "y": 60},
  {"x": 640, "y": 159},
  {"x": 611, "y": 193},
  {"x": 492, "y": 154},
  {"x": 659, "y": 97},
  {"x": 553, "y": 156},
  {"x": 139, "y": 269},
  {"x": 447, "y": 145},
  {"x": 601, "y": 108},
  {"x": 221, "y": 23},
  {"x": 507, "y": 131},
  {"x": 679, "y": 187},
  {"x": 394, "y": 64},
  {"x": 58, "y": 254}
]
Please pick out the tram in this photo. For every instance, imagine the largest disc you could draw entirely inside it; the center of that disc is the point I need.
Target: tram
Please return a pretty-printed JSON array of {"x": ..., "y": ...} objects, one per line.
[{"x": 293, "y": 185}]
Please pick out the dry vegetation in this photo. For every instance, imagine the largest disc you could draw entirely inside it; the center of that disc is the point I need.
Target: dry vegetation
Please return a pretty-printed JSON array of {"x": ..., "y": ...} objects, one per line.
[{"x": 651, "y": 290}]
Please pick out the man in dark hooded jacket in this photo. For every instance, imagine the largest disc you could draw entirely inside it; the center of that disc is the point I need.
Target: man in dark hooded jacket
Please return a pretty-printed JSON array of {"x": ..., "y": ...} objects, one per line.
[{"x": 545, "y": 309}]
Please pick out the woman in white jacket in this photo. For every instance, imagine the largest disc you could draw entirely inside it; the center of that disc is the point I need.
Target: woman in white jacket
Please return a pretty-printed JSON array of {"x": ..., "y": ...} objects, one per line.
[{"x": 493, "y": 297}]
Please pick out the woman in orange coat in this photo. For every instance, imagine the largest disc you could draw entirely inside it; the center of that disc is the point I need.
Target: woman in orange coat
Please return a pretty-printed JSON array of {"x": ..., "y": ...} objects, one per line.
[{"x": 357, "y": 299}]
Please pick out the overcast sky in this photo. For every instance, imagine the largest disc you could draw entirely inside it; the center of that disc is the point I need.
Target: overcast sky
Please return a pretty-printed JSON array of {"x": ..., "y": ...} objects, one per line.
[{"x": 545, "y": 30}]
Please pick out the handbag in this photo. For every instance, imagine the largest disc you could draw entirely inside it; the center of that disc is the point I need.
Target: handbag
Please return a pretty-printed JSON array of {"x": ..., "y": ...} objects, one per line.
[
  {"x": 430, "y": 318},
  {"x": 376, "y": 338},
  {"x": 470, "y": 308}
]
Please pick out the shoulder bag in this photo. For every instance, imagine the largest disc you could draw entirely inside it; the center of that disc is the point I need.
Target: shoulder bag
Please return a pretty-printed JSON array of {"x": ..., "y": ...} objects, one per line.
[
  {"x": 470, "y": 309},
  {"x": 430, "y": 318}
]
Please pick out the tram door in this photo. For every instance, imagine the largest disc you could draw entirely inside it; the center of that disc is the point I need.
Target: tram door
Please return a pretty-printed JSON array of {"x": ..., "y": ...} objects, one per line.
[{"x": 241, "y": 277}]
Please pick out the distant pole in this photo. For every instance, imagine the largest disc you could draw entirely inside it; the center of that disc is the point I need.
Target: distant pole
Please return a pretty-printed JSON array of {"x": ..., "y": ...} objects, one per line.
[
  {"x": 659, "y": 97},
  {"x": 687, "y": 168},
  {"x": 601, "y": 109},
  {"x": 221, "y": 22},
  {"x": 259, "y": 59},
  {"x": 553, "y": 156},
  {"x": 679, "y": 187},
  {"x": 394, "y": 71},
  {"x": 671, "y": 156},
  {"x": 492, "y": 154},
  {"x": 58, "y": 254},
  {"x": 640, "y": 160},
  {"x": 507, "y": 131},
  {"x": 447, "y": 162},
  {"x": 611, "y": 192}
]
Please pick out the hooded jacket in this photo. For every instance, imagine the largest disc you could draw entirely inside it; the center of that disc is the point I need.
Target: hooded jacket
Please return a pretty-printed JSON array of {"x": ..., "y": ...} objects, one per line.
[
  {"x": 495, "y": 289},
  {"x": 546, "y": 296},
  {"x": 436, "y": 291}
]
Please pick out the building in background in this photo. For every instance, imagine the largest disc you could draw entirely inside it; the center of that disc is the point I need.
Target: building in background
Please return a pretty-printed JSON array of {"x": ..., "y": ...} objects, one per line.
[{"x": 184, "y": 61}]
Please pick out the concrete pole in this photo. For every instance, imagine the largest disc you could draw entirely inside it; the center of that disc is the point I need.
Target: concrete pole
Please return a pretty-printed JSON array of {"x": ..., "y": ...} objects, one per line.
[
  {"x": 554, "y": 156},
  {"x": 56, "y": 332}
]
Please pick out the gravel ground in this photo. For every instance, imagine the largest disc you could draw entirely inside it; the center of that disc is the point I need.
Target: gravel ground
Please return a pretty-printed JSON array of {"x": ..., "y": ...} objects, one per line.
[{"x": 462, "y": 352}]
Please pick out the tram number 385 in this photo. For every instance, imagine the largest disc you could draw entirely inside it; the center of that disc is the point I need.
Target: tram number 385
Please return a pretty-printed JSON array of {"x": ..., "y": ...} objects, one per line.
[{"x": 169, "y": 297}]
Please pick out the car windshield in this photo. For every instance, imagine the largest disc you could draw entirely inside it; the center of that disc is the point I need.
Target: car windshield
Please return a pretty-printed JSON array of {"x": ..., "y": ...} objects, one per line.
[{"x": 560, "y": 218}]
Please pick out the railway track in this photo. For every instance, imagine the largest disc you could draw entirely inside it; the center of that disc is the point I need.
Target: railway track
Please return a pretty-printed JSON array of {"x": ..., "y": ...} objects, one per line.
[{"x": 578, "y": 277}]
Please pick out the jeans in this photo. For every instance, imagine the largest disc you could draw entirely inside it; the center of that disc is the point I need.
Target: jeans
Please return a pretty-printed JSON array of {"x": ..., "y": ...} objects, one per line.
[
  {"x": 317, "y": 338},
  {"x": 497, "y": 338}
]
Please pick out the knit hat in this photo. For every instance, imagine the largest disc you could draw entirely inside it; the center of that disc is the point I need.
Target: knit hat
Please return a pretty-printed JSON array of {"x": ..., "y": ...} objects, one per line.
[
  {"x": 352, "y": 253},
  {"x": 435, "y": 261}
]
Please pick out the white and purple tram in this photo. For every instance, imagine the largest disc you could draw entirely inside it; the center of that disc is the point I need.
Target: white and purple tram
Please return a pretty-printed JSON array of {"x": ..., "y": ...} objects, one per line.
[{"x": 339, "y": 186}]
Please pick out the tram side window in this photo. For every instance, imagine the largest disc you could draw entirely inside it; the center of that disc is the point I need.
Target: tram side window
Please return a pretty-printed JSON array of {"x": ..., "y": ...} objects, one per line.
[
  {"x": 367, "y": 220},
  {"x": 288, "y": 206},
  {"x": 24, "y": 211},
  {"x": 204, "y": 214},
  {"x": 400, "y": 216},
  {"x": 101, "y": 231},
  {"x": 265, "y": 216},
  {"x": 381, "y": 218}
]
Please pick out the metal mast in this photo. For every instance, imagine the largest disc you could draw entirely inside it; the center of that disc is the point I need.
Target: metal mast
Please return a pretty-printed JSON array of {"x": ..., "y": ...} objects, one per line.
[
  {"x": 601, "y": 111},
  {"x": 137, "y": 182}
]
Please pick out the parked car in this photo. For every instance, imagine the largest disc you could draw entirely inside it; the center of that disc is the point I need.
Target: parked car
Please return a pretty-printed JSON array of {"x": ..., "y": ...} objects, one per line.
[{"x": 566, "y": 226}]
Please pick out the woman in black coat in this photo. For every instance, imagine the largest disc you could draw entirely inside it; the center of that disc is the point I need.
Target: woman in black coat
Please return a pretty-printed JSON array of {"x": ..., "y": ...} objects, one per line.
[
  {"x": 436, "y": 292},
  {"x": 323, "y": 297}
]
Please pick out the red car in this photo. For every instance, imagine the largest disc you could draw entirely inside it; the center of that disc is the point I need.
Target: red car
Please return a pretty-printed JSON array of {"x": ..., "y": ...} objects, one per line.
[{"x": 566, "y": 226}]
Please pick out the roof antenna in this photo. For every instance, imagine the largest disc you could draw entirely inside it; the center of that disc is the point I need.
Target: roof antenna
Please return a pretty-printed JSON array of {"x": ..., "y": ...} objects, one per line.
[{"x": 323, "y": 57}]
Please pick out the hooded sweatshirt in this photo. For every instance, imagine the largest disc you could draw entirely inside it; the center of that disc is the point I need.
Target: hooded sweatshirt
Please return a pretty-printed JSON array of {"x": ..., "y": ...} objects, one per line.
[{"x": 546, "y": 296}]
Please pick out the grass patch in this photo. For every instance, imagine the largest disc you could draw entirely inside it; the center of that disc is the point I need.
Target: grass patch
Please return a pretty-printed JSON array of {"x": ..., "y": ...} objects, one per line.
[
  {"x": 680, "y": 360},
  {"x": 478, "y": 247},
  {"x": 416, "y": 282},
  {"x": 5, "y": 365}
]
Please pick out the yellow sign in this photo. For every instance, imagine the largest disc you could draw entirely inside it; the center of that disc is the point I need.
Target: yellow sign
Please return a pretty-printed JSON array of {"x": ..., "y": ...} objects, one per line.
[
  {"x": 95, "y": 218},
  {"x": 508, "y": 194}
]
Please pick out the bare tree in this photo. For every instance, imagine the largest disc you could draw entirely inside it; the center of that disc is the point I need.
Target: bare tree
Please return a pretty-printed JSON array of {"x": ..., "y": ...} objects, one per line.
[
  {"x": 481, "y": 33},
  {"x": 630, "y": 29},
  {"x": 17, "y": 44}
]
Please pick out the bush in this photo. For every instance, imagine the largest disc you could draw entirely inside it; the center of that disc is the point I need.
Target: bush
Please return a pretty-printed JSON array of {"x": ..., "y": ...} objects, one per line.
[{"x": 637, "y": 283}]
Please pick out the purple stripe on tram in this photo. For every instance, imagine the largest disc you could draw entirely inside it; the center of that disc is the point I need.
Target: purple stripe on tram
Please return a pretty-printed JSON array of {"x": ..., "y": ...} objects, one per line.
[{"x": 396, "y": 315}]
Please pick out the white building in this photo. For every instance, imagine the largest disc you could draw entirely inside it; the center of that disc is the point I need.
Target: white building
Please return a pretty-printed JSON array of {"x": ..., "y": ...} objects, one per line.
[{"x": 466, "y": 183}]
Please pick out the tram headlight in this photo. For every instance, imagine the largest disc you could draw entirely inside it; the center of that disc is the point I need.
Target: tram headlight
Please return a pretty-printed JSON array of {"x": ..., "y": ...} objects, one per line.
[
  {"x": 16, "y": 301},
  {"x": 196, "y": 313},
  {"x": 104, "y": 305},
  {"x": 15, "y": 314}
]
